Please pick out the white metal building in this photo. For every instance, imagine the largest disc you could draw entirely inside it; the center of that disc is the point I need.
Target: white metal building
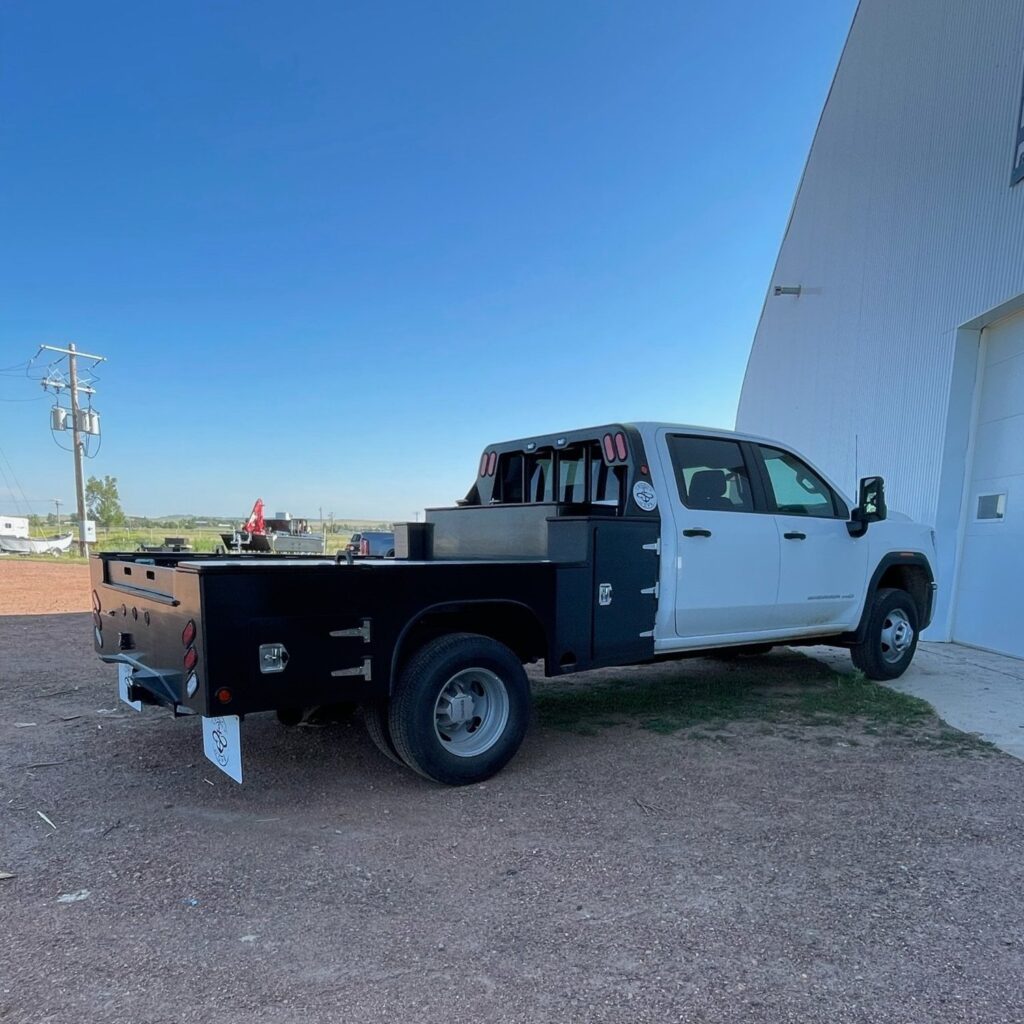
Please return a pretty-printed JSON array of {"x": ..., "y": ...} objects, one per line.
[{"x": 902, "y": 353}]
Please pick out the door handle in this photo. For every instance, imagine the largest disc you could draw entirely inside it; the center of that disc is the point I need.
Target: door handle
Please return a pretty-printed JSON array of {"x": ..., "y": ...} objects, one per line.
[
  {"x": 697, "y": 532},
  {"x": 795, "y": 535}
]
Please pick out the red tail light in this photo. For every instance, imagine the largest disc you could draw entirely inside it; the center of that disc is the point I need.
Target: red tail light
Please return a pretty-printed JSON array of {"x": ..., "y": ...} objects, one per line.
[
  {"x": 609, "y": 448},
  {"x": 620, "y": 446},
  {"x": 188, "y": 634},
  {"x": 364, "y": 547},
  {"x": 483, "y": 464},
  {"x": 191, "y": 659},
  {"x": 492, "y": 462}
]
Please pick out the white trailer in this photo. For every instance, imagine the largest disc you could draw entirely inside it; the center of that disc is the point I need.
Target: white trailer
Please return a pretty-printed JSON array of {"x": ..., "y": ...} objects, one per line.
[{"x": 13, "y": 526}]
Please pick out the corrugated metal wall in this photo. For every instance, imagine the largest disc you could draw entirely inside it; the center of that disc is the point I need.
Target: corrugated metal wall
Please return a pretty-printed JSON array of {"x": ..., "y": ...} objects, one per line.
[{"x": 905, "y": 227}]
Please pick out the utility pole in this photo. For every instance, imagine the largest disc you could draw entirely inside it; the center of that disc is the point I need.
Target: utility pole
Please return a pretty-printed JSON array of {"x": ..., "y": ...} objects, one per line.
[
  {"x": 76, "y": 427},
  {"x": 57, "y": 502},
  {"x": 79, "y": 446}
]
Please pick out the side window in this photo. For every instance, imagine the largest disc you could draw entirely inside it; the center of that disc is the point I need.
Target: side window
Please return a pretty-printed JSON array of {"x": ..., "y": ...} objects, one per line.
[
  {"x": 539, "y": 477},
  {"x": 797, "y": 489},
  {"x": 711, "y": 474},
  {"x": 572, "y": 476}
]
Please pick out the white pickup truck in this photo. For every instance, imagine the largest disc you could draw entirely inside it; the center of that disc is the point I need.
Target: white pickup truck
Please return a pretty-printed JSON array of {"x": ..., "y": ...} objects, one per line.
[{"x": 610, "y": 545}]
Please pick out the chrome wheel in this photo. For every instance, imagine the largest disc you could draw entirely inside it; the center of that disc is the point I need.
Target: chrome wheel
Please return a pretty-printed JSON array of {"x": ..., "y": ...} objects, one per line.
[
  {"x": 897, "y": 635},
  {"x": 471, "y": 712}
]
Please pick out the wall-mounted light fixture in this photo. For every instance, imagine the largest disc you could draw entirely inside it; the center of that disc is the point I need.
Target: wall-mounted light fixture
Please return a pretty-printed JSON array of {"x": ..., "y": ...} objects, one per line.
[{"x": 788, "y": 289}]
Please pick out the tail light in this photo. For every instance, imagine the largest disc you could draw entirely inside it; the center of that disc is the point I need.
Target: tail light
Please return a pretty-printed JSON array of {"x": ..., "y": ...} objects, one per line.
[
  {"x": 620, "y": 446},
  {"x": 364, "y": 547},
  {"x": 483, "y": 464},
  {"x": 188, "y": 634},
  {"x": 191, "y": 659},
  {"x": 609, "y": 447},
  {"x": 492, "y": 462}
]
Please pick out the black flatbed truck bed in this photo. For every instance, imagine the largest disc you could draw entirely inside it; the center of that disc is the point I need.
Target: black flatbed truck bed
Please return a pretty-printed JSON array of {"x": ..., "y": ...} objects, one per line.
[{"x": 224, "y": 637}]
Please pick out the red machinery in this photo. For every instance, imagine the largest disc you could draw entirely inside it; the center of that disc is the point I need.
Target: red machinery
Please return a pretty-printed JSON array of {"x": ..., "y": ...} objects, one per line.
[{"x": 255, "y": 524}]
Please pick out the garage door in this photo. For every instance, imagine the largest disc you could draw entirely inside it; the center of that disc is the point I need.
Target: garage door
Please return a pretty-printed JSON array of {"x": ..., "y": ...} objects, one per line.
[{"x": 990, "y": 599}]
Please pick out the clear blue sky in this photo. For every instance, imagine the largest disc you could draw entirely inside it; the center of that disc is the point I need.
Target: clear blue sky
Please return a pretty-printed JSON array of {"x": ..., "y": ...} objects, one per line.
[{"x": 333, "y": 249}]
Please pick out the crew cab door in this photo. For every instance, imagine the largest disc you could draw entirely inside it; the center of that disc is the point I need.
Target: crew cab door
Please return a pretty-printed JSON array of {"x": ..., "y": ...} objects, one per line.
[
  {"x": 823, "y": 569},
  {"x": 726, "y": 551}
]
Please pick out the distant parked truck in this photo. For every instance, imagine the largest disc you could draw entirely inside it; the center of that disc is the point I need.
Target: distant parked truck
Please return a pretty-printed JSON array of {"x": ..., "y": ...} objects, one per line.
[
  {"x": 280, "y": 534},
  {"x": 372, "y": 544}
]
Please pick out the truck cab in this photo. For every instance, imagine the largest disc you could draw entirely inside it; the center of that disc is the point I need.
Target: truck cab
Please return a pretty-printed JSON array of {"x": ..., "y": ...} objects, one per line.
[{"x": 756, "y": 546}]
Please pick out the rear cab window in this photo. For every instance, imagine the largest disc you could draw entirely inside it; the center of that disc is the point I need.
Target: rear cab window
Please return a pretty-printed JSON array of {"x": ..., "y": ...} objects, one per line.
[{"x": 575, "y": 475}]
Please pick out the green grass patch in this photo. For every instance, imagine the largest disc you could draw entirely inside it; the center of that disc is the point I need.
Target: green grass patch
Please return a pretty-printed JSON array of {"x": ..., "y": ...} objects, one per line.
[{"x": 784, "y": 689}]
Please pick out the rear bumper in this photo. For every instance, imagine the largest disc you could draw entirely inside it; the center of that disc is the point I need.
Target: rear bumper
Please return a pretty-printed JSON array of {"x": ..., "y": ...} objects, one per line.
[{"x": 156, "y": 687}]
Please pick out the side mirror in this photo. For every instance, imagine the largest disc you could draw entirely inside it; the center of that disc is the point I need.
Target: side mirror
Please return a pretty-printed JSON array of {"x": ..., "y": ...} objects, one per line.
[{"x": 871, "y": 506}]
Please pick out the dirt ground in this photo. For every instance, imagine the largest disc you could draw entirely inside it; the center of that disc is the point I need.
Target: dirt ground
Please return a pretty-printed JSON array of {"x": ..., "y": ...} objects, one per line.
[
  {"x": 36, "y": 587},
  {"x": 748, "y": 873}
]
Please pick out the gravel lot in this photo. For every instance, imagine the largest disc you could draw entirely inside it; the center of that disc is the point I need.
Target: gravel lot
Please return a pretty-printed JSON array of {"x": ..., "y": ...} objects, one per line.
[
  {"x": 38, "y": 587},
  {"x": 751, "y": 872}
]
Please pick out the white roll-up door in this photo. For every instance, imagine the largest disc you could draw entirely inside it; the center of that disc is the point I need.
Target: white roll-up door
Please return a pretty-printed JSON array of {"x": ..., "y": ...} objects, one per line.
[{"x": 990, "y": 591}]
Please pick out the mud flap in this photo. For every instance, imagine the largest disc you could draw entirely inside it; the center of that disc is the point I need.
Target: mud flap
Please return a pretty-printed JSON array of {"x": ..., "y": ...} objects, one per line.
[{"x": 222, "y": 744}]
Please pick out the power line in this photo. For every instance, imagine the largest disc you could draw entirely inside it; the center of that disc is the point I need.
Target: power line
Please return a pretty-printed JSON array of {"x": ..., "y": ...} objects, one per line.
[{"x": 14, "y": 477}]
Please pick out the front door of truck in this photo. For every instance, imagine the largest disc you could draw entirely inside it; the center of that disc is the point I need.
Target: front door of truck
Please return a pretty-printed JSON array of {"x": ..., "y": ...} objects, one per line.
[
  {"x": 726, "y": 553},
  {"x": 823, "y": 569}
]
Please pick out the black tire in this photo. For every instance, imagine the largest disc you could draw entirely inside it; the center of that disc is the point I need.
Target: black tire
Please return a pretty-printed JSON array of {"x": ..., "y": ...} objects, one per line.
[
  {"x": 890, "y": 638},
  {"x": 487, "y": 712},
  {"x": 375, "y": 718},
  {"x": 290, "y": 717}
]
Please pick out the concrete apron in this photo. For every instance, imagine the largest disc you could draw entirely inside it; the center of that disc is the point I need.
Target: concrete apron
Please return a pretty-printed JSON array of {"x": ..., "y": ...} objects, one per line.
[{"x": 974, "y": 691}]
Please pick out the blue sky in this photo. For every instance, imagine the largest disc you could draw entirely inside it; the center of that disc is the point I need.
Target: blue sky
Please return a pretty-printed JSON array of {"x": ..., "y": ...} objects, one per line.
[{"x": 333, "y": 249}]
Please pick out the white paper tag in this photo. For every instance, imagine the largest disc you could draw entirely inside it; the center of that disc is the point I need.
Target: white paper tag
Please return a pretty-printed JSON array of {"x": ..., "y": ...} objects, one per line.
[
  {"x": 124, "y": 675},
  {"x": 222, "y": 744}
]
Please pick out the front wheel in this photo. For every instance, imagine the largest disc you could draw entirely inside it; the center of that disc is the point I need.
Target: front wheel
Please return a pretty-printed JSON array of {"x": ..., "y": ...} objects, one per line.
[
  {"x": 890, "y": 638},
  {"x": 460, "y": 709}
]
